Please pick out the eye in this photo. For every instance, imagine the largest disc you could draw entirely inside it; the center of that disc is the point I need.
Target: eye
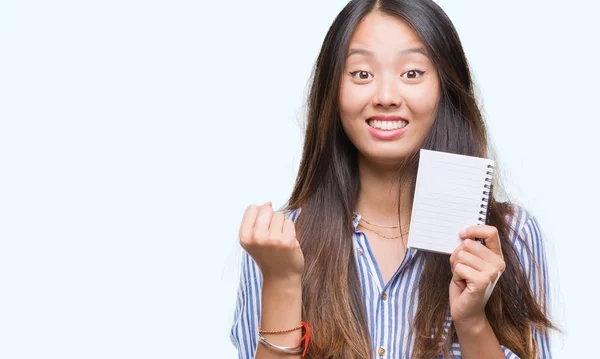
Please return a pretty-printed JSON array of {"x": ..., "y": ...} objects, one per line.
[
  {"x": 362, "y": 75},
  {"x": 413, "y": 74}
]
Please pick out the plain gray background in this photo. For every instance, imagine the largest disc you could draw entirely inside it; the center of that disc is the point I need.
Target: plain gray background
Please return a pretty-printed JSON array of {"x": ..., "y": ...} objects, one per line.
[{"x": 133, "y": 134}]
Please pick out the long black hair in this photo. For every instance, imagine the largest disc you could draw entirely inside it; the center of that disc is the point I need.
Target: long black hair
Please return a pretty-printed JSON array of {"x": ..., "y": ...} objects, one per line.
[{"x": 327, "y": 189}]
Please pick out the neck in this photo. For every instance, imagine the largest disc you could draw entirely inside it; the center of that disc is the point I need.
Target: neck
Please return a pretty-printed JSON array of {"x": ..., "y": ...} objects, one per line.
[{"x": 378, "y": 195}]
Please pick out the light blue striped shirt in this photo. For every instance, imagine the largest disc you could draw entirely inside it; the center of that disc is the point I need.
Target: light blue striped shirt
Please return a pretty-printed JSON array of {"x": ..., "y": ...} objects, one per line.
[{"x": 389, "y": 317}]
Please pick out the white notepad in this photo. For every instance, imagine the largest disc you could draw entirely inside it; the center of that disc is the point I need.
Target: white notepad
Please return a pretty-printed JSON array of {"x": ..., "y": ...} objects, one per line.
[{"x": 452, "y": 193}]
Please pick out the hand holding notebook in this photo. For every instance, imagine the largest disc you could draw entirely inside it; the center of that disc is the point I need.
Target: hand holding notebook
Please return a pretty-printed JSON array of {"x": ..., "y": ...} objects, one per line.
[{"x": 452, "y": 193}]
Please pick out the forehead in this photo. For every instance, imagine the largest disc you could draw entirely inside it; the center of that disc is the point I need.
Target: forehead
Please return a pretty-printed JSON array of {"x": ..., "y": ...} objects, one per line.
[{"x": 382, "y": 33}]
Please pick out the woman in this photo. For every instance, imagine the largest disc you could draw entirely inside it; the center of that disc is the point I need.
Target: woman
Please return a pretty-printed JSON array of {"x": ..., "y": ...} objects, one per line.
[{"x": 337, "y": 259}]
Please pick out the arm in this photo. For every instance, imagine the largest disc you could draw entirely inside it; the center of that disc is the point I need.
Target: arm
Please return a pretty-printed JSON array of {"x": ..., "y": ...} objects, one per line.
[
  {"x": 271, "y": 302},
  {"x": 478, "y": 340},
  {"x": 280, "y": 308},
  {"x": 476, "y": 269},
  {"x": 476, "y": 336}
]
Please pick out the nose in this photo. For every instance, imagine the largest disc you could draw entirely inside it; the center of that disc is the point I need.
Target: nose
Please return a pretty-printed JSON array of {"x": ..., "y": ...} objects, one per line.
[{"x": 387, "y": 92}]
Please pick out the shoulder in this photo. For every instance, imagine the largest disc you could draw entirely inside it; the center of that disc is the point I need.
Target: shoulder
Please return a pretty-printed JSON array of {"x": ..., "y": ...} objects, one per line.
[
  {"x": 526, "y": 237},
  {"x": 524, "y": 228}
]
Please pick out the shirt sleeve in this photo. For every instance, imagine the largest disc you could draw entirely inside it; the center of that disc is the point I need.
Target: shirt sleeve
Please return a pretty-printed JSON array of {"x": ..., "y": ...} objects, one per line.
[
  {"x": 246, "y": 318},
  {"x": 532, "y": 254},
  {"x": 457, "y": 354}
]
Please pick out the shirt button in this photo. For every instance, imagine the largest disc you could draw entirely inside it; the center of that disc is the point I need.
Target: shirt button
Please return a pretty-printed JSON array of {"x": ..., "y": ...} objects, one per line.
[
  {"x": 360, "y": 251},
  {"x": 384, "y": 296},
  {"x": 381, "y": 352}
]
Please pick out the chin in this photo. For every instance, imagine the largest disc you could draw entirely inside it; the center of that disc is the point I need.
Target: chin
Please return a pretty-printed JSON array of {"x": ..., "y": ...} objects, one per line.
[{"x": 388, "y": 158}]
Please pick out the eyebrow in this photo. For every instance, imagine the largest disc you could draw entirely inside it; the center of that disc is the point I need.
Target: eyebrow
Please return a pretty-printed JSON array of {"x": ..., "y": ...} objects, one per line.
[{"x": 412, "y": 50}]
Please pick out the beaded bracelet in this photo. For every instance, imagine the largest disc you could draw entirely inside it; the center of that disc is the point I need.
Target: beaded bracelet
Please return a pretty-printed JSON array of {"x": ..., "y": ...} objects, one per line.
[{"x": 280, "y": 331}]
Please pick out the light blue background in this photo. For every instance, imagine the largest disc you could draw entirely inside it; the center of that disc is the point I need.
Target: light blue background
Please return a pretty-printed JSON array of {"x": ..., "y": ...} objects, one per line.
[{"x": 133, "y": 134}]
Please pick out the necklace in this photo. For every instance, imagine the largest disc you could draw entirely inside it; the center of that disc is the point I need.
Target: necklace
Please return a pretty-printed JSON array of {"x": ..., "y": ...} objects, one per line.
[
  {"x": 382, "y": 226},
  {"x": 381, "y": 235}
]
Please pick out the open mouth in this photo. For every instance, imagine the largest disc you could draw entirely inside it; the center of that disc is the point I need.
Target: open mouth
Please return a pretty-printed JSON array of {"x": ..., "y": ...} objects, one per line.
[{"x": 387, "y": 125}]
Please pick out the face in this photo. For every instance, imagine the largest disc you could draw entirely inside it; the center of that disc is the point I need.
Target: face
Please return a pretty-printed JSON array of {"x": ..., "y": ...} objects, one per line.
[{"x": 389, "y": 91}]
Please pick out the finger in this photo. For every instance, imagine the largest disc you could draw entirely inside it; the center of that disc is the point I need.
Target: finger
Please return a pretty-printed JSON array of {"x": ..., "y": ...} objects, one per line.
[
  {"x": 453, "y": 255},
  {"x": 467, "y": 277},
  {"x": 488, "y": 233},
  {"x": 464, "y": 272},
  {"x": 247, "y": 225},
  {"x": 263, "y": 221},
  {"x": 484, "y": 253},
  {"x": 479, "y": 231},
  {"x": 276, "y": 226},
  {"x": 459, "y": 283},
  {"x": 471, "y": 260},
  {"x": 458, "y": 280}
]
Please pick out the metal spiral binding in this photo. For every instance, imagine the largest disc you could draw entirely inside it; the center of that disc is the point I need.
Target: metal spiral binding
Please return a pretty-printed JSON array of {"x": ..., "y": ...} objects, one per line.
[{"x": 487, "y": 192}]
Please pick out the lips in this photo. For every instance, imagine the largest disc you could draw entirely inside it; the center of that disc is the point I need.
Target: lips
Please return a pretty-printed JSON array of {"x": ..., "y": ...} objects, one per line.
[{"x": 387, "y": 127}]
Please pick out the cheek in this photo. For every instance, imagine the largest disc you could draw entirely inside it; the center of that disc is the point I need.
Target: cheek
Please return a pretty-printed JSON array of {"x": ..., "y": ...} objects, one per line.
[
  {"x": 353, "y": 100},
  {"x": 423, "y": 101},
  {"x": 423, "y": 104}
]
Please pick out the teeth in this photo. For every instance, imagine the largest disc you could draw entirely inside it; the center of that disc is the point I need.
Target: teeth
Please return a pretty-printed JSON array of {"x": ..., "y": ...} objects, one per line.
[{"x": 387, "y": 125}]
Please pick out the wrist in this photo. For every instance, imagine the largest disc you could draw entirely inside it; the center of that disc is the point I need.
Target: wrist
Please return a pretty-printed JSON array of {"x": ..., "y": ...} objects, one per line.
[
  {"x": 288, "y": 284},
  {"x": 472, "y": 326}
]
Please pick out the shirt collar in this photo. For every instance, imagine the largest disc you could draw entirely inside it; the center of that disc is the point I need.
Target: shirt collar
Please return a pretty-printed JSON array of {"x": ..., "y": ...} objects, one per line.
[{"x": 355, "y": 219}]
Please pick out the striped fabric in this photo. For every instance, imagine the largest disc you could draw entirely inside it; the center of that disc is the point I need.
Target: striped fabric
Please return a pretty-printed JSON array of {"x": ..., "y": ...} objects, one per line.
[{"x": 389, "y": 315}]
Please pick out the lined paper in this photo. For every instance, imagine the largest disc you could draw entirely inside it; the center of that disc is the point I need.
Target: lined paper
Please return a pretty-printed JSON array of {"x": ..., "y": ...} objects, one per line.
[{"x": 448, "y": 198}]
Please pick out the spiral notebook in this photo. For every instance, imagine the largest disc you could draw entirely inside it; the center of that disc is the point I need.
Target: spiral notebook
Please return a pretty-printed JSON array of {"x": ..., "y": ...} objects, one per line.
[{"x": 452, "y": 193}]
